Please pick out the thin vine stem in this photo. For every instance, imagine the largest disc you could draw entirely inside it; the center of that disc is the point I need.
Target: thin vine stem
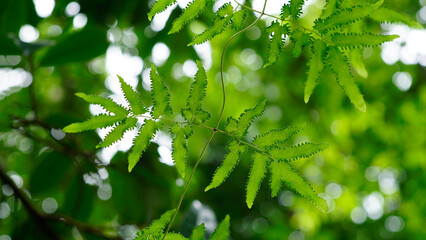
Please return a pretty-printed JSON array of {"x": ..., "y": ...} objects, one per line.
[{"x": 214, "y": 130}]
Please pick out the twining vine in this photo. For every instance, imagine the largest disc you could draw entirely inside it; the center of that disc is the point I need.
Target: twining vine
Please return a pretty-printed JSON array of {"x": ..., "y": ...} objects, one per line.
[{"x": 335, "y": 41}]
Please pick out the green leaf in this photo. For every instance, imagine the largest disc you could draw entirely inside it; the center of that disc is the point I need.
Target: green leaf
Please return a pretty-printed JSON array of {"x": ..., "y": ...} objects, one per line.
[
  {"x": 247, "y": 118},
  {"x": 100, "y": 121},
  {"x": 192, "y": 11},
  {"x": 155, "y": 230},
  {"x": 353, "y": 40},
  {"x": 329, "y": 8},
  {"x": 300, "y": 40},
  {"x": 220, "y": 22},
  {"x": 180, "y": 146},
  {"x": 257, "y": 173},
  {"x": 222, "y": 231},
  {"x": 160, "y": 6},
  {"x": 277, "y": 136},
  {"x": 132, "y": 97},
  {"x": 296, "y": 8},
  {"x": 384, "y": 14},
  {"x": 196, "y": 95},
  {"x": 231, "y": 160},
  {"x": 303, "y": 150},
  {"x": 198, "y": 232},
  {"x": 345, "y": 16},
  {"x": 283, "y": 172},
  {"x": 316, "y": 66},
  {"x": 160, "y": 95},
  {"x": 117, "y": 133},
  {"x": 340, "y": 66},
  {"x": 142, "y": 141},
  {"x": 80, "y": 46},
  {"x": 357, "y": 62},
  {"x": 219, "y": 25},
  {"x": 239, "y": 18},
  {"x": 275, "y": 44},
  {"x": 106, "y": 103}
]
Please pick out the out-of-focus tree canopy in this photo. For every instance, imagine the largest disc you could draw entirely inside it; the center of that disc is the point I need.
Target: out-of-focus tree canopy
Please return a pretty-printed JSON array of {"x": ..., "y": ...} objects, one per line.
[{"x": 59, "y": 186}]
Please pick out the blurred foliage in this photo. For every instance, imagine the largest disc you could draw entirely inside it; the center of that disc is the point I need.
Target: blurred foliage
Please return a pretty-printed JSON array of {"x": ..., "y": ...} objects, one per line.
[{"x": 376, "y": 162}]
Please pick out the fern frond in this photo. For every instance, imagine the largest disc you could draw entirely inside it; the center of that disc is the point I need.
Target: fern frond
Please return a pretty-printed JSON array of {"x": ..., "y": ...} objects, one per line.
[
  {"x": 229, "y": 163},
  {"x": 239, "y": 18},
  {"x": 353, "y": 40},
  {"x": 345, "y": 16},
  {"x": 283, "y": 172},
  {"x": 100, "y": 121},
  {"x": 193, "y": 10},
  {"x": 142, "y": 141},
  {"x": 132, "y": 97},
  {"x": 180, "y": 146},
  {"x": 357, "y": 62},
  {"x": 257, "y": 173},
  {"x": 277, "y": 136},
  {"x": 275, "y": 44},
  {"x": 340, "y": 66},
  {"x": 247, "y": 117},
  {"x": 222, "y": 231},
  {"x": 220, "y": 22},
  {"x": 117, "y": 133},
  {"x": 196, "y": 95},
  {"x": 160, "y": 6},
  {"x": 300, "y": 40},
  {"x": 316, "y": 65},
  {"x": 198, "y": 232},
  {"x": 387, "y": 15},
  {"x": 160, "y": 95},
  {"x": 295, "y": 152},
  {"x": 106, "y": 103},
  {"x": 296, "y": 8}
]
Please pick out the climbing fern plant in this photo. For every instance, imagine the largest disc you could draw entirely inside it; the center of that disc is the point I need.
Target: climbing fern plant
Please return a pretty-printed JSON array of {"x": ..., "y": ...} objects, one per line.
[{"x": 335, "y": 41}]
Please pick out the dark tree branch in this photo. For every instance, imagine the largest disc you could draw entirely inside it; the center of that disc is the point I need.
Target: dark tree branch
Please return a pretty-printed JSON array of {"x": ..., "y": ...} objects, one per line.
[{"x": 43, "y": 219}]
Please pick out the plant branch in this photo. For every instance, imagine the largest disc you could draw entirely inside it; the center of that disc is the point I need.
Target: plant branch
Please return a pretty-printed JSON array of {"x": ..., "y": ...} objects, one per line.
[
  {"x": 214, "y": 130},
  {"x": 42, "y": 219}
]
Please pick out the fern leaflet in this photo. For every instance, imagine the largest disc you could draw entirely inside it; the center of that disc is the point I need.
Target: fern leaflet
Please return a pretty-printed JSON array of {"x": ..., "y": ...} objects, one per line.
[
  {"x": 193, "y": 111},
  {"x": 283, "y": 172},
  {"x": 132, "y": 98},
  {"x": 192, "y": 11},
  {"x": 198, "y": 232},
  {"x": 160, "y": 95},
  {"x": 340, "y": 66},
  {"x": 276, "y": 136},
  {"x": 220, "y": 22},
  {"x": 117, "y": 133},
  {"x": 155, "y": 230},
  {"x": 300, "y": 40},
  {"x": 296, "y": 8},
  {"x": 106, "y": 103},
  {"x": 142, "y": 141},
  {"x": 316, "y": 65},
  {"x": 247, "y": 118},
  {"x": 357, "y": 62},
  {"x": 345, "y": 16},
  {"x": 384, "y": 14},
  {"x": 231, "y": 160},
  {"x": 360, "y": 40},
  {"x": 303, "y": 150},
  {"x": 257, "y": 174},
  {"x": 159, "y": 6},
  {"x": 100, "y": 121},
  {"x": 276, "y": 31},
  {"x": 238, "y": 19},
  {"x": 180, "y": 146},
  {"x": 222, "y": 231}
]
